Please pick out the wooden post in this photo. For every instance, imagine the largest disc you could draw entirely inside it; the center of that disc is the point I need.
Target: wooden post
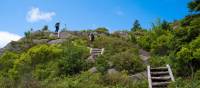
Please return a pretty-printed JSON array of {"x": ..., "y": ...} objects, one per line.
[
  {"x": 90, "y": 50},
  {"x": 102, "y": 50},
  {"x": 149, "y": 76}
]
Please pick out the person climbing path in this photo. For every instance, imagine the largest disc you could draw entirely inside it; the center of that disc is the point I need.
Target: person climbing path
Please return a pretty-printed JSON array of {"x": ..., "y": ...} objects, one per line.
[
  {"x": 57, "y": 26},
  {"x": 91, "y": 37}
]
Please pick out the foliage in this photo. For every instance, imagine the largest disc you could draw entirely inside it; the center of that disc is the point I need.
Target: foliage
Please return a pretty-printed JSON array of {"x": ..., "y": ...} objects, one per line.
[
  {"x": 73, "y": 59},
  {"x": 162, "y": 44},
  {"x": 102, "y": 30},
  {"x": 188, "y": 56},
  {"x": 194, "y": 5},
  {"x": 65, "y": 66},
  {"x": 127, "y": 60},
  {"x": 157, "y": 61},
  {"x": 45, "y": 28},
  {"x": 136, "y": 26},
  {"x": 7, "y": 62}
]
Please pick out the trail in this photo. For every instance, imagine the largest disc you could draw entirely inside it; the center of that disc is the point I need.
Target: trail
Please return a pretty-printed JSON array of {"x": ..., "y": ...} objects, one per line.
[{"x": 144, "y": 55}]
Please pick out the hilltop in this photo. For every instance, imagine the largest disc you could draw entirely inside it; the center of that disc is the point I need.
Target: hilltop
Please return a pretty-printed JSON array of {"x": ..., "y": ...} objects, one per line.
[{"x": 45, "y": 59}]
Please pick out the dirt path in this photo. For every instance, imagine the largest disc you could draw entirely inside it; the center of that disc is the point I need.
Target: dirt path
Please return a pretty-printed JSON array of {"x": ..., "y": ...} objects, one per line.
[{"x": 144, "y": 55}]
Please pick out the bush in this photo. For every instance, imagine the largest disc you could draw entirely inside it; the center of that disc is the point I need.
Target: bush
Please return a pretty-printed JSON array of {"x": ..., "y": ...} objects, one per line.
[
  {"x": 188, "y": 57},
  {"x": 157, "y": 61},
  {"x": 127, "y": 60},
  {"x": 73, "y": 59},
  {"x": 7, "y": 62},
  {"x": 117, "y": 79},
  {"x": 162, "y": 45}
]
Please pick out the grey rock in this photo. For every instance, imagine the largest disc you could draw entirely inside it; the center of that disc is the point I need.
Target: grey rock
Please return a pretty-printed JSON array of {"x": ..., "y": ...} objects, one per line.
[
  {"x": 121, "y": 33},
  {"x": 112, "y": 71},
  {"x": 139, "y": 76},
  {"x": 65, "y": 35},
  {"x": 1, "y": 51},
  {"x": 40, "y": 41},
  {"x": 93, "y": 70},
  {"x": 91, "y": 59},
  {"x": 144, "y": 55},
  {"x": 110, "y": 64},
  {"x": 57, "y": 41},
  {"x": 12, "y": 46},
  {"x": 53, "y": 35}
]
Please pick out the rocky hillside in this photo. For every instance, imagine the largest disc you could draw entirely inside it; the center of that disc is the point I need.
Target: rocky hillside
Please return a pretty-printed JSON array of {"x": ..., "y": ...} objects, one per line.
[{"x": 44, "y": 59}]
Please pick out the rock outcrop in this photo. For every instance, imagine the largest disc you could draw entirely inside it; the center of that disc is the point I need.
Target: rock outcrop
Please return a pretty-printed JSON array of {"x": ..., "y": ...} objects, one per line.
[
  {"x": 139, "y": 76},
  {"x": 1, "y": 51},
  {"x": 57, "y": 41},
  {"x": 93, "y": 70},
  {"x": 40, "y": 41},
  {"x": 112, "y": 71}
]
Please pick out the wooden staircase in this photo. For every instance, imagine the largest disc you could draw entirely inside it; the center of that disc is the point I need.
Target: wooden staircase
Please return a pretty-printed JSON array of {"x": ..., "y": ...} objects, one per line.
[
  {"x": 159, "y": 77},
  {"x": 94, "y": 52}
]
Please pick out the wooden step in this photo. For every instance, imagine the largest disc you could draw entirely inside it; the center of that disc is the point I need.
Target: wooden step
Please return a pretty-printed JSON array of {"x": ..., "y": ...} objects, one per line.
[
  {"x": 158, "y": 74},
  {"x": 161, "y": 79},
  {"x": 96, "y": 49},
  {"x": 95, "y": 54},
  {"x": 160, "y": 84},
  {"x": 159, "y": 69}
]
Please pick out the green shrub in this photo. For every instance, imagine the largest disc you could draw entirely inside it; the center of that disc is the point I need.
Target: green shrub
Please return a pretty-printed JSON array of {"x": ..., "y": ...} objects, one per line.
[
  {"x": 156, "y": 61},
  {"x": 127, "y": 60}
]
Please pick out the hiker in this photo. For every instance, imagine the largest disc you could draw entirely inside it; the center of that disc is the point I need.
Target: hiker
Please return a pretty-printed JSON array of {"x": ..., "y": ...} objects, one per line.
[
  {"x": 91, "y": 37},
  {"x": 57, "y": 25}
]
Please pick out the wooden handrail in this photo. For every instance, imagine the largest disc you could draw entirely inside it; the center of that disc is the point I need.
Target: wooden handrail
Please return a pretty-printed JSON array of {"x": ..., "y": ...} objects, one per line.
[
  {"x": 149, "y": 76},
  {"x": 170, "y": 72},
  {"x": 102, "y": 50}
]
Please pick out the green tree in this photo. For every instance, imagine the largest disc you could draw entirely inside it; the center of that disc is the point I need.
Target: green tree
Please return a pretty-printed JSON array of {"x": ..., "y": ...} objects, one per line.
[
  {"x": 165, "y": 25},
  {"x": 136, "y": 26},
  {"x": 45, "y": 28},
  {"x": 102, "y": 30},
  {"x": 73, "y": 59},
  {"x": 194, "y": 6},
  {"x": 27, "y": 34}
]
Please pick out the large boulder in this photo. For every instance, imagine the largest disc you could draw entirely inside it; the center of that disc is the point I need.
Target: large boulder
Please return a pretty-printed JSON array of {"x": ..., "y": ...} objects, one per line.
[
  {"x": 65, "y": 35},
  {"x": 12, "y": 46},
  {"x": 57, "y": 41},
  {"x": 53, "y": 35},
  {"x": 40, "y": 41}
]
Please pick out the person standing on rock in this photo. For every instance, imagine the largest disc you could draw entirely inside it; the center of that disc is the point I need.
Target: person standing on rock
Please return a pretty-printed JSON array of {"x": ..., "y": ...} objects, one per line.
[
  {"x": 91, "y": 37},
  {"x": 57, "y": 26}
]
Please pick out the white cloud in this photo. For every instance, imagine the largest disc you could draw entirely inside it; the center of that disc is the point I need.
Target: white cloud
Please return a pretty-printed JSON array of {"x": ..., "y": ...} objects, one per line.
[
  {"x": 119, "y": 13},
  {"x": 6, "y": 37},
  {"x": 36, "y": 15}
]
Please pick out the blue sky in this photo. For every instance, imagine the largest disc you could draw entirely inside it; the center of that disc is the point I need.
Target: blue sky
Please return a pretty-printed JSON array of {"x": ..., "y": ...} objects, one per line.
[{"x": 84, "y": 14}]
